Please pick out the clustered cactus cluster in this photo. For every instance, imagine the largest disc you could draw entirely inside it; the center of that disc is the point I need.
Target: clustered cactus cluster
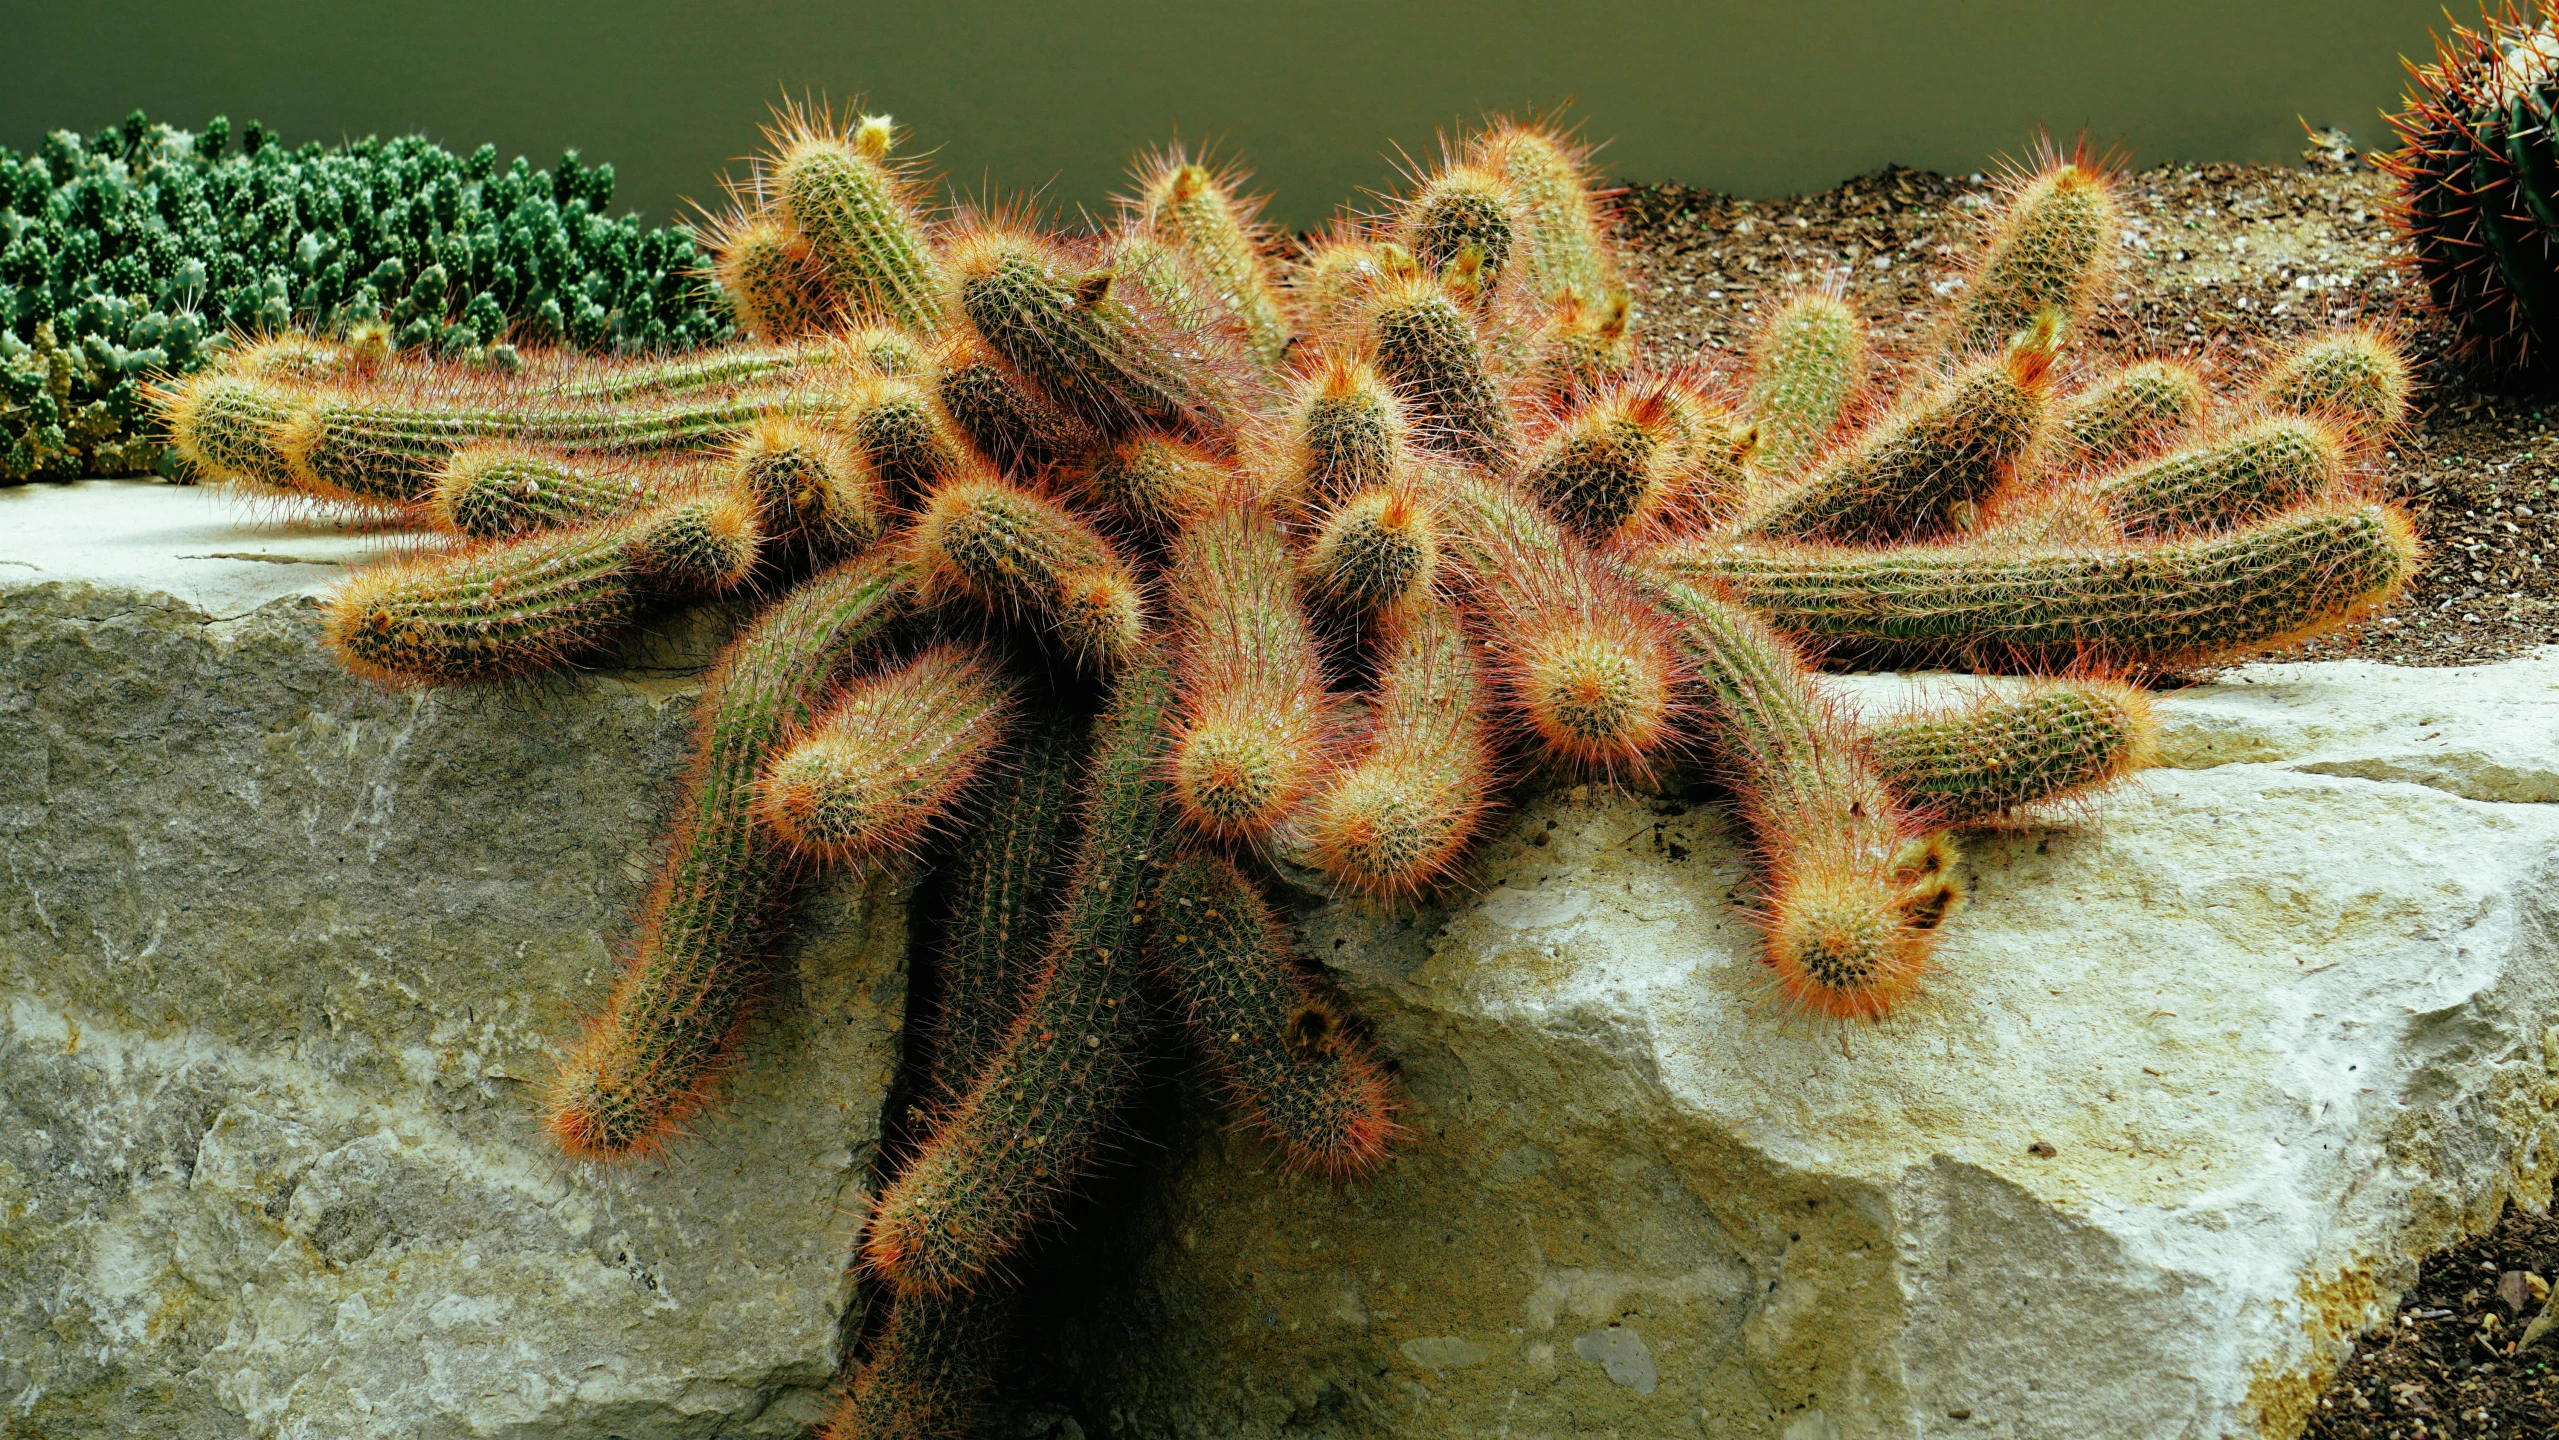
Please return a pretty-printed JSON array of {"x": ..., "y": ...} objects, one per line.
[
  {"x": 1353, "y": 539},
  {"x": 134, "y": 252}
]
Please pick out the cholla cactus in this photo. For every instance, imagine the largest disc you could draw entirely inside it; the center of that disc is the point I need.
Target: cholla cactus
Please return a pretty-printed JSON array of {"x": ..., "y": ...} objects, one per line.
[{"x": 1164, "y": 458}]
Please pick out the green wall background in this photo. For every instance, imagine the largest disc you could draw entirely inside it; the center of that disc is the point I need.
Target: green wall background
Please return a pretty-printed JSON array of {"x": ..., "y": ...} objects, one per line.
[{"x": 1759, "y": 99}]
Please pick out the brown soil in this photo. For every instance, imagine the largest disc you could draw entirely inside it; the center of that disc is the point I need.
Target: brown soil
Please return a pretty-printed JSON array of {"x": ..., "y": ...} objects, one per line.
[
  {"x": 2223, "y": 264},
  {"x": 2448, "y": 1365}
]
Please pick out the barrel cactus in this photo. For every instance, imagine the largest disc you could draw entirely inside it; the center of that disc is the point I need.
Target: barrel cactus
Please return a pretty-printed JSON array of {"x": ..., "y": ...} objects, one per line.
[{"x": 2478, "y": 189}]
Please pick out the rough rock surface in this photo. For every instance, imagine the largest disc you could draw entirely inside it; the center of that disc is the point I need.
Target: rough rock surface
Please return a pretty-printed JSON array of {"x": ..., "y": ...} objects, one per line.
[
  {"x": 280, "y": 956},
  {"x": 2204, "y": 1068}
]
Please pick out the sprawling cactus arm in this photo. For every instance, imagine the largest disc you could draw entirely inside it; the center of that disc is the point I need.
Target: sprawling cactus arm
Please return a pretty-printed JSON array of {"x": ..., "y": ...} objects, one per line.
[
  {"x": 818, "y": 498},
  {"x": 1397, "y": 821},
  {"x": 1634, "y": 457},
  {"x": 1002, "y": 884},
  {"x": 2165, "y": 604},
  {"x": 1926, "y": 468},
  {"x": 930, "y": 1374},
  {"x": 1275, "y": 1039},
  {"x": 1081, "y": 343},
  {"x": 231, "y": 428},
  {"x": 2242, "y": 477},
  {"x": 1342, "y": 430},
  {"x": 493, "y": 490},
  {"x": 859, "y": 214},
  {"x": 699, "y": 959},
  {"x": 1196, "y": 209},
  {"x": 1035, "y": 1122},
  {"x": 1011, "y": 424},
  {"x": 1586, "y": 664},
  {"x": 888, "y": 758},
  {"x": 2355, "y": 379},
  {"x": 1807, "y": 364},
  {"x": 1847, "y": 901},
  {"x": 763, "y": 266},
  {"x": 1255, "y": 721},
  {"x": 1011, "y": 552},
  {"x": 1569, "y": 255},
  {"x": 1461, "y": 207},
  {"x": 2128, "y": 415},
  {"x": 1376, "y": 551},
  {"x": 1331, "y": 281},
  {"x": 516, "y": 607},
  {"x": 2052, "y": 248},
  {"x": 1428, "y": 349},
  {"x": 1158, "y": 483},
  {"x": 903, "y": 431},
  {"x": 1582, "y": 347},
  {"x": 1999, "y": 755},
  {"x": 385, "y": 449}
]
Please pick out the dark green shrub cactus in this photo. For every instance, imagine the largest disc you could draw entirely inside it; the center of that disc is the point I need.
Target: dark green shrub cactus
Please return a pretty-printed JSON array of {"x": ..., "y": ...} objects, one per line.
[{"x": 128, "y": 254}]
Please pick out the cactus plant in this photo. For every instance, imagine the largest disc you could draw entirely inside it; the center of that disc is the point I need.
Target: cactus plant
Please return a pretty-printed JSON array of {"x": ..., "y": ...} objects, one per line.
[
  {"x": 1276, "y": 1041},
  {"x": 2478, "y": 190},
  {"x": 1536, "y": 565},
  {"x": 131, "y": 254},
  {"x": 1014, "y": 1147},
  {"x": 886, "y": 758},
  {"x": 1189, "y": 205},
  {"x": 2051, "y": 248}
]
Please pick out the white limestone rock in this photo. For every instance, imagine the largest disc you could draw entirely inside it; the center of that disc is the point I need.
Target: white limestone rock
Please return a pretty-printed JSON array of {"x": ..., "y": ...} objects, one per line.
[
  {"x": 2201, "y": 1073},
  {"x": 281, "y": 957}
]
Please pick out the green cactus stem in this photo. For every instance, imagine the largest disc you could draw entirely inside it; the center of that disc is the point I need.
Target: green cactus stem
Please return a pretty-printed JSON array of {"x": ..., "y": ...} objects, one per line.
[
  {"x": 1011, "y": 424},
  {"x": 1635, "y": 457},
  {"x": 1458, "y": 207},
  {"x": 491, "y": 491},
  {"x": 1034, "y": 1124},
  {"x": 1569, "y": 254},
  {"x": 1845, "y": 913},
  {"x": 1196, "y": 210},
  {"x": 386, "y": 449},
  {"x": 930, "y": 1373},
  {"x": 1274, "y": 1038},
  {"x": 698, "y": 962},
  {"x": 2051, "y": 248},
  {"x": 2355, "y": 379},
  {"x": 1081, "y": 342},
  {"x": 888, "y": 758},
  {"x": 764, "y": 267},
  {"x": 2161, "y": 605},
  {"x": 818, "y": 499},
  {"x": 1159, "y": 483},
  {"x": 1428, "y": 349},
  {"x": 1925, "y": 469},
  {"x": 1397, "y": 821},
  {"x": 1808, "y": 362},
  {"x": 1580, "y": 657},
  {"x": 903, "y": 431},
  {"x": 231, "y": 429},
  {"x": 859, "y": 215},
  {"x": 992, "y": 542},
  {"x": 1253, "y": 734},
  {"x": 518, "y": 607},
  {"x": 2253, "y": 472},
  {"x": 2000, "y": 755},
  {"x": 2131, "y": 414},
  {"x": 1342, "y": 430},
  {"x": 1376, "y": 551},
  {"x": 1002, "y": 883}
]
